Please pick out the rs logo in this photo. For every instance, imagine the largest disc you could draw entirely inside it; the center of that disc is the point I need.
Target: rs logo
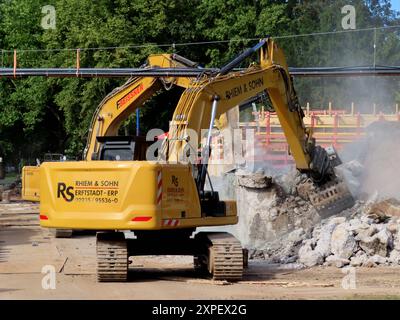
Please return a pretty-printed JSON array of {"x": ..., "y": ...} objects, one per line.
[
  {"x": 64, "y": 191},
  {"x": 175, "y": 181}
]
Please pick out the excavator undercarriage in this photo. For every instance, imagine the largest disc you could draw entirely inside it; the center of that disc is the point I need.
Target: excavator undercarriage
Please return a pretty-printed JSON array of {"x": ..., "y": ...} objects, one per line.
[{"x": 217, "y": 254}]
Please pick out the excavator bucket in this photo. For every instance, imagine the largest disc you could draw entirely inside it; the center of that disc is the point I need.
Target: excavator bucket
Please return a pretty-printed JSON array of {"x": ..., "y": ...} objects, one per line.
[{"x": 331, "y": 197}]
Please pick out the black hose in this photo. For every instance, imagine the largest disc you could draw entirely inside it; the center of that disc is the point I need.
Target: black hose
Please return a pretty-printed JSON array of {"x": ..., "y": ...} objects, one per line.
[{"x": 232, "y": 64}]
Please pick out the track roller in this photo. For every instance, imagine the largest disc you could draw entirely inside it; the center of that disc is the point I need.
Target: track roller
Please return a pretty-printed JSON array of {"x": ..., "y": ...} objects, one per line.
[{"x": 112, "y": 257}]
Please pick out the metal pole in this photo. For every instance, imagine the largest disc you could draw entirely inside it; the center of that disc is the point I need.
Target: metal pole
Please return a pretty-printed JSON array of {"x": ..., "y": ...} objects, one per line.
[
  {"x": 374, "y": 47},
  {"x": 232, "y": 64},
  {"x": 137, "y": 122},
  {"x": 207, "y": 149},
  {"x": 78, "y": 61},
  {"x": 212, "y": 119},
  {"x": 187, "y": 72},
  {"x": 15, "y": 64}
]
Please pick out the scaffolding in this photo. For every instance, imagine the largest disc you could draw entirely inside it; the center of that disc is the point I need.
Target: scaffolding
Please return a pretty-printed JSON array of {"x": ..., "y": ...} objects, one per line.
[{"x": 337, "y": 127}]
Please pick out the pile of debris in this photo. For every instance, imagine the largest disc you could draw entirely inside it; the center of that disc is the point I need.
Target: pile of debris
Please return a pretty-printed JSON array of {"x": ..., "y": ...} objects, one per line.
[
  {"x": 368, "y": 235},
  {"x": 269, "y": 210},
  {"x": 278, "y": 223},
  {"x": 282, "y": 227},
  {"x": 7, "y": 191}
]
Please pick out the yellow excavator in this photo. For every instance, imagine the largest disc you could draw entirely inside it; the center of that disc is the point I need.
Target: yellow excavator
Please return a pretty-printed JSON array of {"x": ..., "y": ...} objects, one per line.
[
  {"x": 164, "y": 200},
  {"x": 106, "y": 120}
]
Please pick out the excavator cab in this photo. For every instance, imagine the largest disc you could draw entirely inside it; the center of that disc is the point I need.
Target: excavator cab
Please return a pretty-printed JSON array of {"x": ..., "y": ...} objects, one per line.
[{"x": 121, "y": 148}]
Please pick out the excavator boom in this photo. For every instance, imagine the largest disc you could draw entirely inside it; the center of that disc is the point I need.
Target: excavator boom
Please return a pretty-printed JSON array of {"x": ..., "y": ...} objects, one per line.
[
  {"x": 206, "y": 100},
  {"x": 123, "y": 101}
]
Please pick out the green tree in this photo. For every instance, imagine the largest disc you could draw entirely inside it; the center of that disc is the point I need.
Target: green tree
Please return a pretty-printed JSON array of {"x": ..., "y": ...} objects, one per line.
[{"x": 39, "y": 115}]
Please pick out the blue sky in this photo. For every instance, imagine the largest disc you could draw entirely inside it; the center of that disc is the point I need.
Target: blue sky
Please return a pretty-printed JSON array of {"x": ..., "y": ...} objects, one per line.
[{"x": 396, "y": 5}]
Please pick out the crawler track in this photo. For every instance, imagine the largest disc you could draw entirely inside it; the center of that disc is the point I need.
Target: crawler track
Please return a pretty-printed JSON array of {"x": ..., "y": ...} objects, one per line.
[
  {"x": 225, "y": 257},
  {"x": 112, "y": 257}
]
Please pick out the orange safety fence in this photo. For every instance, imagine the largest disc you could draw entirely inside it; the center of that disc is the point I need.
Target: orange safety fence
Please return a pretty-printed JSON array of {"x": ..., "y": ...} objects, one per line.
[{"x": 330, "y": 127}]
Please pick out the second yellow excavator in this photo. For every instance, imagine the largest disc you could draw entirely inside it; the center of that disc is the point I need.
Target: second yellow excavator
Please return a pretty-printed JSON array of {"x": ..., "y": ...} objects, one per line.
[
  {"x": 107, "y": 118},
  {"x": 163, "y": 200}
]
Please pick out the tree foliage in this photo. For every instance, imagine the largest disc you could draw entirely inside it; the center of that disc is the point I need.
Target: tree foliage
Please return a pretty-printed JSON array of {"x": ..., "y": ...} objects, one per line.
[{"x": 39, "y": 115}]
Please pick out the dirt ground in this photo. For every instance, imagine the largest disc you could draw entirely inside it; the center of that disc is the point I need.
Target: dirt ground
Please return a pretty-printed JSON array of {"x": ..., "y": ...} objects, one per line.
[{"x": 25, "y": 249}]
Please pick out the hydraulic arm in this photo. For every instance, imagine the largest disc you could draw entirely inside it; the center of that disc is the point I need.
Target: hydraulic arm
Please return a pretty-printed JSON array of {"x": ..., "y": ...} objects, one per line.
[
  {"x": 208, "y": 99},
  {"x": 123, "y": 101}
]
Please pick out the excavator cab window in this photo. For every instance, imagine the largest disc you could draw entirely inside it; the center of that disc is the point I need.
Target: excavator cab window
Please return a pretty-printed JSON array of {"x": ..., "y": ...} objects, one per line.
[
  {"x": 117, "y": 154},
  {"x": 121, "y": 148}
]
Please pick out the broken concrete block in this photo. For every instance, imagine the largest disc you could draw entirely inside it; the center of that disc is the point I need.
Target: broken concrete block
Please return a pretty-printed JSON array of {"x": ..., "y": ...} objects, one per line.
[
  {"x": 393, "y": 227},
  {"x": 343, "y": 243},
  {"x": 396, "y": 241},
  {"x": 316, "y": 233},
  {"x": 303, "y": 189},
  {"x": 377, "y": 259},
  {"x": 356, "y": 223},
  {"x": 308, "y": 256},
  {"x": 324, "y": 242},
  {"x": 369, "y": 264},
  {"x": 256, "y": 254},
  {"x": 358, "y": 260},
  {"x": 367, "y": 219},
  {"x": 350, "y": 172},
  {"x": 364, "y": 233},
  {"x": 385, "y": 237},
  {"x": 337, "y": 220},
  {"x": 377, "y": 244},
  {"x": 286, "y": 260},
  {"x": 296, "y": 236},
  {"x": 382, "y": 210},
  {"x": 372, "y": 246},
  {"x": 273, "y": 214},
  {"x": 254, "y": 181},
  {"x": 336, "y": 261},
  {"x": 394, "y": 257}
]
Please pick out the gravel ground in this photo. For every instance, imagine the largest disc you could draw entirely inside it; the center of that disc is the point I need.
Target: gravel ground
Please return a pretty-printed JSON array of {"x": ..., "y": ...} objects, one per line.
[{"x": 25, "y": 248}]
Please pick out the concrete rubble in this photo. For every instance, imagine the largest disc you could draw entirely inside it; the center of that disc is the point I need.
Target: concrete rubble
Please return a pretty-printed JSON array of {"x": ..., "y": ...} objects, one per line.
[
  {"x": 282, "y": 227},
  {"x": 277, "y": 222},
  {"x": 269, "y": 211}
]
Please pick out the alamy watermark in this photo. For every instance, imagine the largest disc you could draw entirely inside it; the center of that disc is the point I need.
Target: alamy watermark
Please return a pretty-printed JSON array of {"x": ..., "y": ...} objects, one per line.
[
  {"x": 349, "y": 280},
  {"x": 49, "y": 279},
  {"x": 228, "y": 146},
  {"x": 49, "y": 18},
  {"x": 349, "y": 20}
]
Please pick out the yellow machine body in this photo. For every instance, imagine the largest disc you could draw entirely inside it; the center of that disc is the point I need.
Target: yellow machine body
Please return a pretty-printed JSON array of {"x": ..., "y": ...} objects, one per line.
[
  {"x": 128, "y": 195},
  {"x": 31, "y": 183}
]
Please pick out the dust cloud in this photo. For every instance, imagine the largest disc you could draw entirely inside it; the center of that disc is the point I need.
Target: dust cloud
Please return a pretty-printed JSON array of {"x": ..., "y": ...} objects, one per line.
[{"x": 378, "y": 155}]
